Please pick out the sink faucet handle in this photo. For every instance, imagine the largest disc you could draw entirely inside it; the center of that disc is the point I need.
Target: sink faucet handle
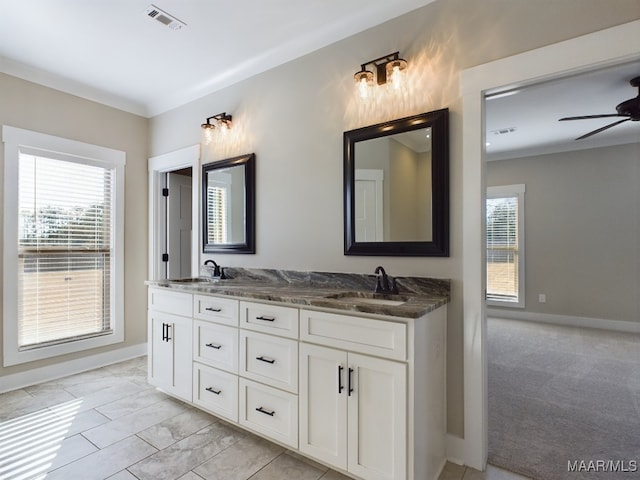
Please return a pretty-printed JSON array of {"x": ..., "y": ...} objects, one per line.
[{"x": 216, "y": 267}]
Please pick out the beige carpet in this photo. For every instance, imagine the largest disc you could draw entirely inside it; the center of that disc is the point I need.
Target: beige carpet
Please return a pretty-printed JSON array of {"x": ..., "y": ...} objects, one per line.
[{"x": 561, "y": 397}]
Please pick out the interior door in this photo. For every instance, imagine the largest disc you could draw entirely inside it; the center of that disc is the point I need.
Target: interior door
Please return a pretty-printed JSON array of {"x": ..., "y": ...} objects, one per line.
[
  {"x": 323, "y": 404},
  {"x": 377, "y": 412},
  {"x": 179, "y": 228},
  {"x": 369, "y": 205}
]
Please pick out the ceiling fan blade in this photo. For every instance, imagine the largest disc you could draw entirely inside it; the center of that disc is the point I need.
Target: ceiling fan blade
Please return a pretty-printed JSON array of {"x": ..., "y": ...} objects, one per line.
[
  {"x": 585, "y": 117},
  {"x": 602, "y": 129}
]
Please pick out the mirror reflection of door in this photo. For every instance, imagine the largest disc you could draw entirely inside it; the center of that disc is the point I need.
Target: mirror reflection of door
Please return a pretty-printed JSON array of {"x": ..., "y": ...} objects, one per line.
[
  {"x": 179, "y": 228},
  {"x": 401, "y": 210},
  {"x": 369, "y": 205}
]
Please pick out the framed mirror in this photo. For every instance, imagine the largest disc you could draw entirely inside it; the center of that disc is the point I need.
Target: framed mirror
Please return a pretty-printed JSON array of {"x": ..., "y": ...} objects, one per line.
[
  {"x": 396, "y": 187},
  {"x": 228, "y": 205}
]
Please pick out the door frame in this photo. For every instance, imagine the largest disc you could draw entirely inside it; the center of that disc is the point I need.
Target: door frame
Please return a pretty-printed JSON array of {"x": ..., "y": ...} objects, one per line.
[
  {"x": 158, "y": 166},
  {"x": 596, "y": 50}
]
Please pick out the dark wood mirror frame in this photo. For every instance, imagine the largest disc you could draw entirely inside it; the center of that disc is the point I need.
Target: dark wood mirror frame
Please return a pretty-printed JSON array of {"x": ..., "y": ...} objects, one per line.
[
  {"x": 438, "y": 120},
  {"x": 248, "y": 246}
]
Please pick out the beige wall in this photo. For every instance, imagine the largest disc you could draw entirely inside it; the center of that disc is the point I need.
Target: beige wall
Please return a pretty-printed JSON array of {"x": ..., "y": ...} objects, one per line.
[
  {"x": 582, "y": 230},
  {"x": 293, "y": 117},
  {"x": 33, "y": 107}
]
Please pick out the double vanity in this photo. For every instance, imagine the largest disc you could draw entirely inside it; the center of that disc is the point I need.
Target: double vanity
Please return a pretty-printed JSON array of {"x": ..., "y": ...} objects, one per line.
[{"x": 315, "y": 362}]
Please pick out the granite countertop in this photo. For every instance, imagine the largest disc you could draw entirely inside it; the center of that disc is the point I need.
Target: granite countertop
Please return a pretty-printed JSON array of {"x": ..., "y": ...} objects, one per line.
[{"x": 340, "y": 291}]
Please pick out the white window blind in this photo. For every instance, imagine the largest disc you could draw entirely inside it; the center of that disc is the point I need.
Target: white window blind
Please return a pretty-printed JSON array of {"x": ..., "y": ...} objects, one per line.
[
  {"x": 217, "y": 214},
  {"x": 65, "y": 250},
  {"x": 504, "y": 245}
]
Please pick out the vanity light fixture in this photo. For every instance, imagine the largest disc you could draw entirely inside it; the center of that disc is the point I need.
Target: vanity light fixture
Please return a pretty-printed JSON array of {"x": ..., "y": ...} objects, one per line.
[
  {"x": 389, "y": 69},
  {"x": 222, "y": 121}
]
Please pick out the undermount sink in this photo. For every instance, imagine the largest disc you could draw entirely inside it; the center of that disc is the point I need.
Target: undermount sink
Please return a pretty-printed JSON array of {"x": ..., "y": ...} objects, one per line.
[
  {"x": 190, "y": 280},
  {"x": 370, "y": 298}
]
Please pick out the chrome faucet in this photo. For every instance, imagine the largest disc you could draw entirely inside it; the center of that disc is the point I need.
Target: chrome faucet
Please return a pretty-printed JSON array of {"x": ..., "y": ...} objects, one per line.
[
  {"x": 218, "y": 271},
  {"x": 382, "y": 282}
]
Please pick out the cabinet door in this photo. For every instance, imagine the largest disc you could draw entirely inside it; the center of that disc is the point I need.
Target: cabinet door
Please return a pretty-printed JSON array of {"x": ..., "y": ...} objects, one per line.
[
  {"x": 171, "y": 347},
  {"x": 377, "y": 408},
  {"x": 323, "y": 404},
  {"x": 161, "y": 355}
]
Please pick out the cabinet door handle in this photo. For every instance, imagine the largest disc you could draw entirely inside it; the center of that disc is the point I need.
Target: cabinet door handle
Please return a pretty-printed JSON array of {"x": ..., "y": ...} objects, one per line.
[
  {"x": 164, "y": 332},
  {"x": 211, "y": 345},
  {"x": 211, "y": 309},
  {"x": 266, "y": 319},
  {"x": 340, "y": 386},
  {"x": 266, "y": 412},
  {"x": 349, "y": 382},
  {"x": 210, "y": 389},
  {"x": 169, "y": 325},
  {"x": 266, "y": 360}
]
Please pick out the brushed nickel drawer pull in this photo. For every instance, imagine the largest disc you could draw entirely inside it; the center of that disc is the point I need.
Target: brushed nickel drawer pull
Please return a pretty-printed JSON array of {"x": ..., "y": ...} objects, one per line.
[
  {"x": 211, "y": 345},
  {"x": 266, "y": 360},
  {"x": 210, "y": 389},
  {"x": 266, "y": 412}
]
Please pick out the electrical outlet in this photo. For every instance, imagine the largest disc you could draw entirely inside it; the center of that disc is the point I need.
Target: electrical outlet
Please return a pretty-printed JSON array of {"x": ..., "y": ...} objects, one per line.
[{"x": 542, "y": 298}]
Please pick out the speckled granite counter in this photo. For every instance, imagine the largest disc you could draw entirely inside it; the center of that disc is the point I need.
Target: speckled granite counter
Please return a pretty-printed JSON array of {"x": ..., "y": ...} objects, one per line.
[{"x": 340, "y": 291}]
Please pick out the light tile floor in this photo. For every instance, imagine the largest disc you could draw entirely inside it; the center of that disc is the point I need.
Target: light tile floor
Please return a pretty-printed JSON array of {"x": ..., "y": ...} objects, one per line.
[{"x": 109, "y": 423}]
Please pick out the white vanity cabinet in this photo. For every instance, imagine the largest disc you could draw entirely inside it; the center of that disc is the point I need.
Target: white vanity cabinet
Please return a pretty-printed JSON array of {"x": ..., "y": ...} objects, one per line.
[
  {"x": 170, "y": 339},
  {"x": 362, "y": 393},
  {"x": 372, "y": 398},
  {"x": 353, "y": 412}
]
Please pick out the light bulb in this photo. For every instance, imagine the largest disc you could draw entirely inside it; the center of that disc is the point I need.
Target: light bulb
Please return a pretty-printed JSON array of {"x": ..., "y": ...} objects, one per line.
[
  {"x": 396, "y": 77},
  {"x": 395, "y": 73},
  {"x": 364, "y": 81},
  {"x": 363, "y": 88},
  {"x": 207, "y": 135}
]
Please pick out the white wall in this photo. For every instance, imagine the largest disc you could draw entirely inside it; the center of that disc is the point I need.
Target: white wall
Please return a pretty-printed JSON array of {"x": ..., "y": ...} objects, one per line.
[
  {"x": 293, "y": 117},
  {"x": 582, "y": 230}
]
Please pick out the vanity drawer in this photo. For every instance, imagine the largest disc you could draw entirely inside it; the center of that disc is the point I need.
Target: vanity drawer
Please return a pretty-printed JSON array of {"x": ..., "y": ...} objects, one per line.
[
  {"x": 356, "y": 334},
  {"x": 177, "y": 303},
  {"x": 216, "y": 309},
  {"x": 272, "y": 319},
  {"x": 215, "y": 345},
  {"x": 269, "y": 411},
  {"x": 216, "y": 391},
  {"x": 268, "y": 359}
]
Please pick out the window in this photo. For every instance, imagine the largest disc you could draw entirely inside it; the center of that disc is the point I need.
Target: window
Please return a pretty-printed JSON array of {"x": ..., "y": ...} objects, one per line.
[
  {"x": 62, "y": 246},
  {"x": 218, "y": 204},
  {"x": 505, "y": 245}
]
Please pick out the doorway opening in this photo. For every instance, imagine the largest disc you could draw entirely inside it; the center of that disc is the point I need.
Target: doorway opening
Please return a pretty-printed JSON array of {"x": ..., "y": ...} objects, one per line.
[
  {"x": 550, "y": 374},
  {"x": 173, "y": 214},
  {"x": 596, "y": 50}
]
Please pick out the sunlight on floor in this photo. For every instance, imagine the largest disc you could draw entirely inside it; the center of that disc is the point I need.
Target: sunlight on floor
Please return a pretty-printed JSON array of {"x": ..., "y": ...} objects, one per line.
[{"x": 29, "y": 444}]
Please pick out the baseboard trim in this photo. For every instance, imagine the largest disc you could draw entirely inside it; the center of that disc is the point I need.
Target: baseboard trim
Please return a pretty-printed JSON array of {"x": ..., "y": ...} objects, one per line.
[
  {"x": 454, "y": 449},
  {"x": 51, "y": 372},
  {"x": 567, "y": 320}
]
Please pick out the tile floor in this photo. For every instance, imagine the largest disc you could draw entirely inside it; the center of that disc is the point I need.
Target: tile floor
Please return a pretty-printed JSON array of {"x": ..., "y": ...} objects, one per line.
[{"x": 109, "y": 423}]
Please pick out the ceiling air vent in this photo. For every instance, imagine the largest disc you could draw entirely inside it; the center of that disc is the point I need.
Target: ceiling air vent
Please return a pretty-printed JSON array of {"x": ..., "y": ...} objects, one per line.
[
  {"x": 164, "y": 18},
  {"x": 504, "y": 131}
]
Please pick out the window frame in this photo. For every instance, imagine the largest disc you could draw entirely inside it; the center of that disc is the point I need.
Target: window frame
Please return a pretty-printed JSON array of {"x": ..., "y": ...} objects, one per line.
[
  {"x": 17, "y": 140},
  {"x": 510, "y": 191}
]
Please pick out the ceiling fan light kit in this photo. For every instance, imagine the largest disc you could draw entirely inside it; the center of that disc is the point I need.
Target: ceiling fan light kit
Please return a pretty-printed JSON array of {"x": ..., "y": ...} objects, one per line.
[{"x": 630, "y": 109}]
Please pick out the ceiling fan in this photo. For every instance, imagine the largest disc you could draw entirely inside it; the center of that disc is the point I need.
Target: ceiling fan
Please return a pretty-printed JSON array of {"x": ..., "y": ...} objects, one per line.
[{"x": 630, "y": 109}]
